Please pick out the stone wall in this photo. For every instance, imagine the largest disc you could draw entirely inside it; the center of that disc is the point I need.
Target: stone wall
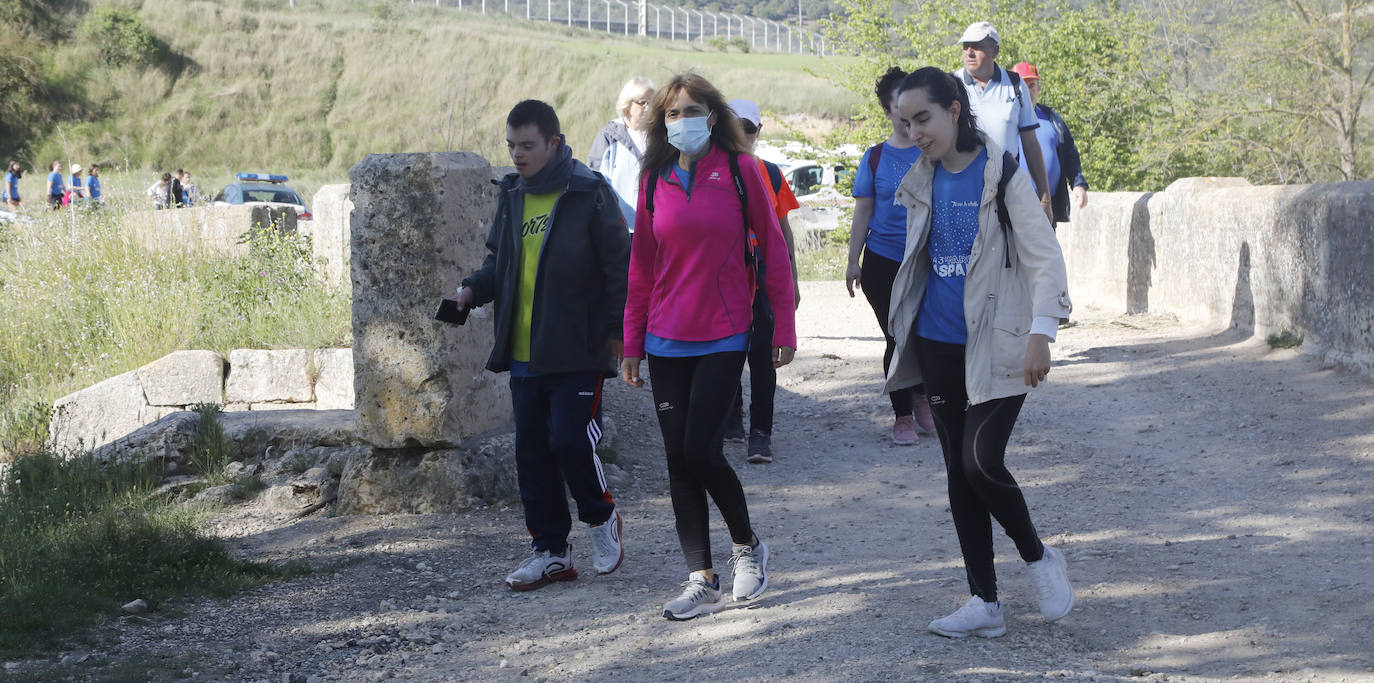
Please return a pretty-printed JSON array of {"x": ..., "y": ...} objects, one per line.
[
  {"x": 328, "y": 233},
  {"x": 250, "y": 380},
  {"x": 419, "y": 225},
  {"x": 211, "y": 229},
  {"x": 1263, "y": 260}
]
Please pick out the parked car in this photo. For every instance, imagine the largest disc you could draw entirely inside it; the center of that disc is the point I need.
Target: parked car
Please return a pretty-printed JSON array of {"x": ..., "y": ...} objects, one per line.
[
  {"x": 808, "y": 177},
  {"x": 264, "y": 189}
]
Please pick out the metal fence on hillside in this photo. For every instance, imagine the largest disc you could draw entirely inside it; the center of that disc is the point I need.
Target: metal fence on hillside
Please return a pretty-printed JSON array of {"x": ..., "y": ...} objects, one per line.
[{"x": 661, "y": 22}]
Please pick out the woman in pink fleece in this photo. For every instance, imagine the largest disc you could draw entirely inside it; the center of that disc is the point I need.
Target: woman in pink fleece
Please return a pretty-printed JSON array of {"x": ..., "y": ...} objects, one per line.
[{"x": 705, "y": 234}]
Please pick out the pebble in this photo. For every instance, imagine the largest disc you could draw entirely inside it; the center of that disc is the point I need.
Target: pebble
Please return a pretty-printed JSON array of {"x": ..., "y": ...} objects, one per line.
[{"x": 138, "y": 606}]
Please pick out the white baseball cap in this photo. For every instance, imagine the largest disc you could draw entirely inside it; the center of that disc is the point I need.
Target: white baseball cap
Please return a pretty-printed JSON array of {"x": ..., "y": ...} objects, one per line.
[
  {"x": 747, "y": 110},
  {"x": 979, "y": 31}
]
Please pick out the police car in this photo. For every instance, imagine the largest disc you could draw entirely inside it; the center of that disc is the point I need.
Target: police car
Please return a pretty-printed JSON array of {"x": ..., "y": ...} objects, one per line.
[{"x": 264, "y": 189}]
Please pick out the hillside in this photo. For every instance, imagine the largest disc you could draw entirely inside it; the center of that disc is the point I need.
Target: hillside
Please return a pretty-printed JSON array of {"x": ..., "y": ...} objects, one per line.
[{"x": 246, "y": 83}]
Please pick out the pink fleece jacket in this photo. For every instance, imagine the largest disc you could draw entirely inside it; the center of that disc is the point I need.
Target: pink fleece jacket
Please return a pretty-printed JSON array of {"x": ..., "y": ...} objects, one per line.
[{"x": 688, "y": 279}]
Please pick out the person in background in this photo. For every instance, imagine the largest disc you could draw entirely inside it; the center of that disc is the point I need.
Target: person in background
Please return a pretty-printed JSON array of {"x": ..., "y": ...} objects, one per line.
[
  {"x": 878, "y": 233},
  {"x": 56, "y": 186},
  {"x": 161, "y": 192},
  {"x": 978, "y": 304},
  {"x": 556, "y": 263},
  {"x": 703, "y": 223},
  {"x": 93, "y": 189},
  {"x": 12, "y": 174},
  {"x": 190, "y": 192},
  {"x": 619, "y": 147},
  {"x": 76, "y": 189},
  {"x": 763, "y": 377},
  {"x": 1062, "y": 164},
  {"x": 1001, "y": 104},
  {"x": 177, "y": 194}
]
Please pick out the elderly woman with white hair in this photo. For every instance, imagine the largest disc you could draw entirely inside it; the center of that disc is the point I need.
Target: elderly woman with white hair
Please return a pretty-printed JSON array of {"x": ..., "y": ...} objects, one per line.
[{"x": 619, "y": 146}]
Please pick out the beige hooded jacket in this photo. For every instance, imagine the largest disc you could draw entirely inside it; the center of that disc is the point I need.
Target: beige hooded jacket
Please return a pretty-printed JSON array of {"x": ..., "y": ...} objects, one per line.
[{"x": 999, "y": 302}]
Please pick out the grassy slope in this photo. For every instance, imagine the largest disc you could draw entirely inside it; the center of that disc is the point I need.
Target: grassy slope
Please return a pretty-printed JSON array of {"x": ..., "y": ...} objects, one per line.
[{"x": 323, "y": 85}]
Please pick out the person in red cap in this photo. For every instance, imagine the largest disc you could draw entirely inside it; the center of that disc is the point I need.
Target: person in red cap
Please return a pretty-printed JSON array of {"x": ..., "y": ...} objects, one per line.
[{"x": 1062, "y": 164}]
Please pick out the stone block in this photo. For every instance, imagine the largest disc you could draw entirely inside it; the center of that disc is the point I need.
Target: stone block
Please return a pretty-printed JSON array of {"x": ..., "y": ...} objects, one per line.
[
  {"x": 184, "y": 378},
  {"x": 256, "y": 434},
  {"x": 328, "y": 231},
  {"x": 98, "y": 414},
  {"x": 308, "y": 405},
  {"x": 419, "y": 225},
  {"x": 334, "y": 379},
  {"x": 257, "y": 376},
  {"x": 417, "y": 481}
]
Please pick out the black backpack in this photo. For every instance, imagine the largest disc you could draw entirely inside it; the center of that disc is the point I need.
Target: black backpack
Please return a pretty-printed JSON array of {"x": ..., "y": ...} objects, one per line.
[{"x": 1009, "y": 166}]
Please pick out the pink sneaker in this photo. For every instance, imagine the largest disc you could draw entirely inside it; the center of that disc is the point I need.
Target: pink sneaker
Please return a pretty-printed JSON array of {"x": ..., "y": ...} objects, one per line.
[
  {"x": 925, "y": 423},
  {"x": 904, "y": 430}
]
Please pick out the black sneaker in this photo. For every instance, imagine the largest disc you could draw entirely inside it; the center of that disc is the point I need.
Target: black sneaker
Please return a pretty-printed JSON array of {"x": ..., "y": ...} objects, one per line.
[
  {"x": 734, "y": 428},
  {"x": 760, "y": 448}
]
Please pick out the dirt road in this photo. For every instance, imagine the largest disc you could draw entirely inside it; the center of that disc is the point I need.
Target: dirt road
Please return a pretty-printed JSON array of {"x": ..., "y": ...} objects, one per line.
[{"x": 1214, "y": 498}]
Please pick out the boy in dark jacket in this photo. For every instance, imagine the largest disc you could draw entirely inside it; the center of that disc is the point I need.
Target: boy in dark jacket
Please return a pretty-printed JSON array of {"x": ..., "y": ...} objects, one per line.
[{"x": 557, "y": 258}]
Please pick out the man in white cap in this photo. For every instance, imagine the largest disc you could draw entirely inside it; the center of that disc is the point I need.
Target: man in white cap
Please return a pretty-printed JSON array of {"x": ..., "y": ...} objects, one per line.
[
  {"x": 763, "y": 378},
  {"x": 1002, "y": 104}
]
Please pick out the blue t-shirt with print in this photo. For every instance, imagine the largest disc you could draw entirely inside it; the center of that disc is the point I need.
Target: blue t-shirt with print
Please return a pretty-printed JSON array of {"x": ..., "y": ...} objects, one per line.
[
  {"x": 887, "y": 228},
  {"x": 955, "y": 200},
  {"x": 57, "y": 185},
  {"x": 11, "y": 185},
  {"x": 93, "y": 187}
]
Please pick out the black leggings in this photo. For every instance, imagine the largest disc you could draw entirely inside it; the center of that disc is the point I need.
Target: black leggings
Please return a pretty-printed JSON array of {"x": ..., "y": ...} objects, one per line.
[
  {"x": 763, "y": 377},
  {"x": 974, "y": 439},
  {"x": 692, "y": 396},
  {"x": 876, "y": 274}
]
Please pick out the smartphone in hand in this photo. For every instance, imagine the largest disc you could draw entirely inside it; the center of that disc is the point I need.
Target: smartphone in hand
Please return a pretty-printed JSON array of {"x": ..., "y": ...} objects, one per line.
[{"x": 450, "y": 313}]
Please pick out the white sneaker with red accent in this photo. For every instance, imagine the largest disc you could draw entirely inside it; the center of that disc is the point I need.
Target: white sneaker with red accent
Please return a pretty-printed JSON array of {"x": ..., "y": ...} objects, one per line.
[
  {"x": 542, "y": 568},
  {"x": 606, "y": 544}
]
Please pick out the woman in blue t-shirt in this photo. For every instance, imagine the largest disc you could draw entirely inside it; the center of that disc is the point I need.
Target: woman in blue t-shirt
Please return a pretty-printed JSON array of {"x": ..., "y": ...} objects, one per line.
[
  {"x": 12, "y": 173},
  {"x": 879, "y": 233},
  {"x": 976, "y": 305},
  {"x": 56, "y": 186}
]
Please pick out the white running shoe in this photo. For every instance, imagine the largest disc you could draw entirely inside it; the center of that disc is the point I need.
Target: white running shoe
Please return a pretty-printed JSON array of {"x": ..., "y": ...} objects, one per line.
[
  {"x": 698, "y": 597},
  {"x": 541, "y": 568},
  {"x": 1052, "y": 580},
  {"x": 975, "y": 618},
  {"x": 606, "y": 543},
  {"x": 750, "y": 570}
]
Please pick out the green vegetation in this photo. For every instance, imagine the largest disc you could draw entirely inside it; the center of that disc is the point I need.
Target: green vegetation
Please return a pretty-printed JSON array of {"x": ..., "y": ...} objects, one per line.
[
  {"x": 79, "y": 538},
  {"x": 82, "y": 302},
  {"x": 1283, "y": 340},
  {"x": 1271, "y": 90},
  {"x": 253, "y": 85}
]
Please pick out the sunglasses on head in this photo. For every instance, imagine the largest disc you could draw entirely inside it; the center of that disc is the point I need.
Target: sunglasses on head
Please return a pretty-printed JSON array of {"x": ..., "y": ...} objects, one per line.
[{"x": 749, "y": 127}]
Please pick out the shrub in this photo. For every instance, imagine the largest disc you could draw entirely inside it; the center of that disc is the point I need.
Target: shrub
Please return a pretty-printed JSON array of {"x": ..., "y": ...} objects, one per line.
[{"x": 120, "y": 38}]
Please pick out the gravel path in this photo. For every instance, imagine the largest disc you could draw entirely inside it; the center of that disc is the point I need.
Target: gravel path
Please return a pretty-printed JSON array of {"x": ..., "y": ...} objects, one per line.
[{"x": 1214, "y": 498}]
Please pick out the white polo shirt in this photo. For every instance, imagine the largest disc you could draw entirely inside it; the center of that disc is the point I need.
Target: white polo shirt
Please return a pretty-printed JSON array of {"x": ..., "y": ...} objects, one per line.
[{"x": 1001, "y": 114}]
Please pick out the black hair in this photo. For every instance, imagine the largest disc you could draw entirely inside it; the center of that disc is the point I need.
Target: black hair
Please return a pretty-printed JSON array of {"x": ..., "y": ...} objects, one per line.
[
  {"x": 944, "y": 89},
  {"x": 538, "y": 113},
  {"x": 887, "y": 84}
]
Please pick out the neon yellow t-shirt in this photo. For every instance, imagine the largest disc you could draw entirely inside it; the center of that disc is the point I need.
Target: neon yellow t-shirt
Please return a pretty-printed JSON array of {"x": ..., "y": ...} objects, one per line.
[{"x": 534, "y": 225}]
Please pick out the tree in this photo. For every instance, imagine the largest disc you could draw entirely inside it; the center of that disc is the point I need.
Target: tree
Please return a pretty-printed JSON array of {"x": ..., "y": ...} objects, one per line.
[{"x": 1093, "y": 62}]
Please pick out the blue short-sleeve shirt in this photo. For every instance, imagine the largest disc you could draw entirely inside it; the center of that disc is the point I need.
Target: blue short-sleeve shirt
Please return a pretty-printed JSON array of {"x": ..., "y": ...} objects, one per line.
[{"x": 887, "y": 228}]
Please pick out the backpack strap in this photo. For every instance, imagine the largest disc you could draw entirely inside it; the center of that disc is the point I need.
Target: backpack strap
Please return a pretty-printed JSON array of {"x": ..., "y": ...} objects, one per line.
[
  {"x": 1016, "y": 85},
  {"x": 774, "y": 175},
  {"x": 1009, "y": 166},
  {"x": 649, "y": 192},
  {"x": 751, "y": 240},
  {"x": 875, "y": 153}
]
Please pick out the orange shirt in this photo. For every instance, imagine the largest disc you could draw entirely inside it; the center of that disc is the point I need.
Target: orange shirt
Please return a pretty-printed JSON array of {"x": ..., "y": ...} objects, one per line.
[{"x": 783, "y": 200}]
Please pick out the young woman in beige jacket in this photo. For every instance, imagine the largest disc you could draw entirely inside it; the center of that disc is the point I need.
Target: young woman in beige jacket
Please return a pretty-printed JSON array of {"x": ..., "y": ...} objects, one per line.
[{"x": 974, "y": 309}]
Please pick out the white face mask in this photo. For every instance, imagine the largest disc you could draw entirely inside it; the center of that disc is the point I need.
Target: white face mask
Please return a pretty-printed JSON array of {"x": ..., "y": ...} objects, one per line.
[{"x": 690, "y": 136}]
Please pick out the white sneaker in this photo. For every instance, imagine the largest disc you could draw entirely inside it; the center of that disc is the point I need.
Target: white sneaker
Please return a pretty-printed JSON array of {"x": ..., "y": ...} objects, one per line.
[
  {"x": 1056, "y": 595},
  {"x": 698, "y": 598},
  {"x": 606, "y": 544},
  {"x": 975, "y": 618},
  {"x": 541, "y": 568},
  {"x": 750, "y": 570}
]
